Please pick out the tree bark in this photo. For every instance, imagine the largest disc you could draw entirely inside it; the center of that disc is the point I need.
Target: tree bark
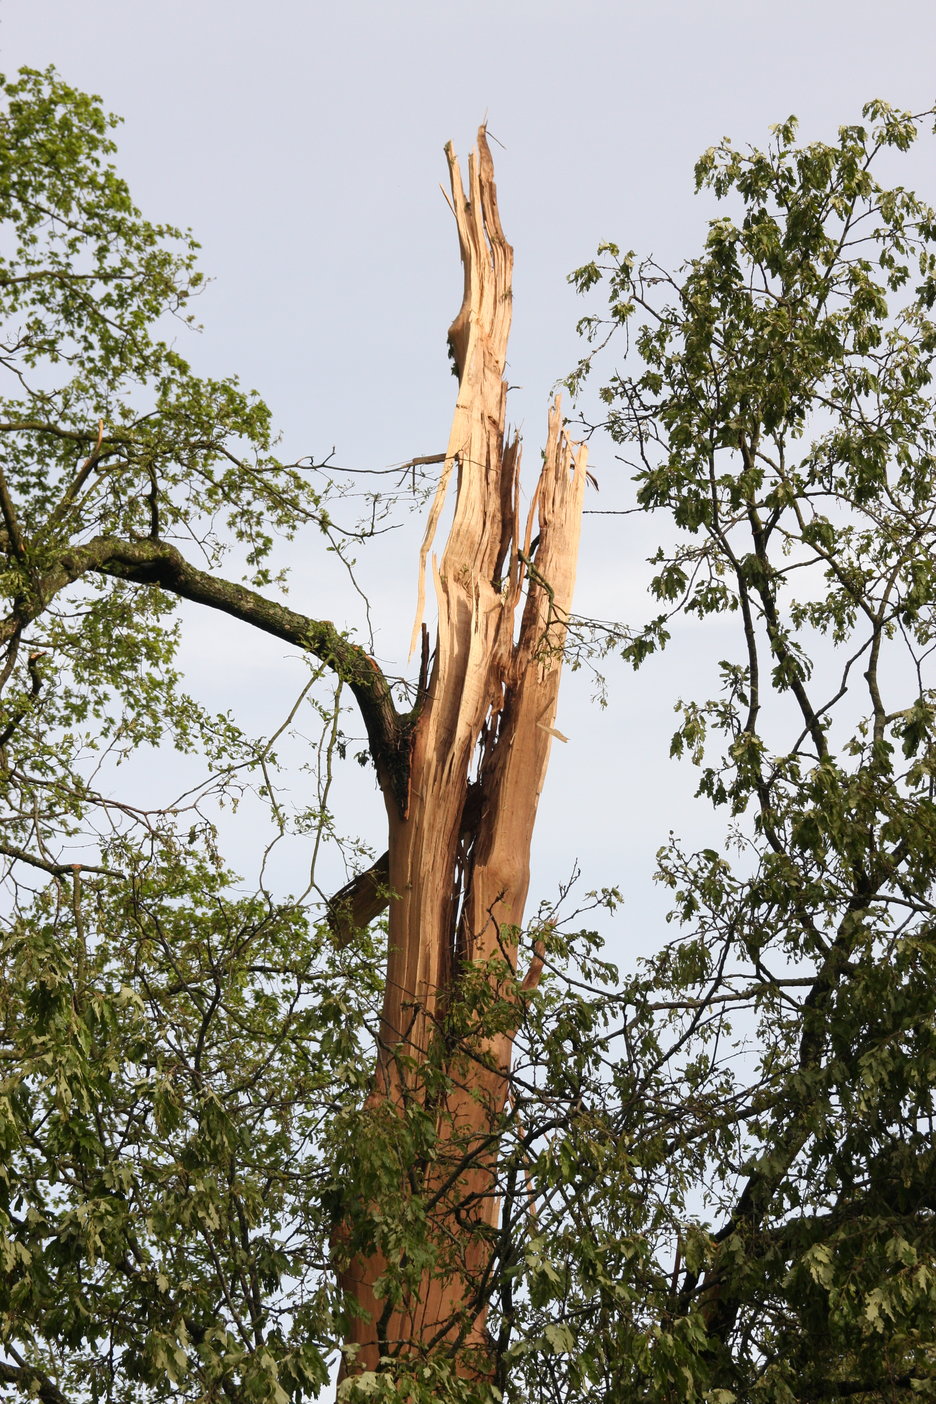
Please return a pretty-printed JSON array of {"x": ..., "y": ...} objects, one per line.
[{"x": 458, "y": 868}]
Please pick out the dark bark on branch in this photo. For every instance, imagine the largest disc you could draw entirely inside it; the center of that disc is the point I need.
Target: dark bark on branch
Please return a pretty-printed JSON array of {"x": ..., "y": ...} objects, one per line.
[
  {"x": 157, "y": 563},
  {"x": 32, "y": 1383},
  {"x": 719, "y": 1302},
  {"x": 20, "y": 855},
  {"x": 847, "y": 1389},
  {"x": 160, "y": 564}
]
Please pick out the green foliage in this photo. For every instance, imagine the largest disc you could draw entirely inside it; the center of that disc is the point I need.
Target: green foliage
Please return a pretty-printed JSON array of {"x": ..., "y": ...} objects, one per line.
[
  {"x": 776, "y": 403},
  {"x": 88, "y": 291},
  {"x": 715, "y": 1174},
  {"x": 106, "y": 434},
  {"x": 171, "y": 1054},
  {"x": 168, "y": 1042}
]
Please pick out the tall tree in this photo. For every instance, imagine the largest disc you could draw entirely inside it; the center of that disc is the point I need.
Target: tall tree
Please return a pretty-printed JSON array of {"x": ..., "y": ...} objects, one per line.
[{"x": 461, "y": 795}]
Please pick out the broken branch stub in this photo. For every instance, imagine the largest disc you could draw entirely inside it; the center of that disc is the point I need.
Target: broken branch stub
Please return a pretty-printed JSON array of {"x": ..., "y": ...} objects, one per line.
[{"x": 459, "y": 848}]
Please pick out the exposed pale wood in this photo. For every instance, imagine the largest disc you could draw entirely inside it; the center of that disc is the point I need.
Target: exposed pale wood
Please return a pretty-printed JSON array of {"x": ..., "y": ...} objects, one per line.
[{"x": 459, "y": 847}]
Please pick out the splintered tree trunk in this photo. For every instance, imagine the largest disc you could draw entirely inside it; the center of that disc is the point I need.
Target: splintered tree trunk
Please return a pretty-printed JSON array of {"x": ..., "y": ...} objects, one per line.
[{"x": 460, "y": 835}]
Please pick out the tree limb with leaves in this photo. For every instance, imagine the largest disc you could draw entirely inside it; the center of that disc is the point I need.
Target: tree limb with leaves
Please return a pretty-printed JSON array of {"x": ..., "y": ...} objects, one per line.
[{"x": 776, "y": 405}]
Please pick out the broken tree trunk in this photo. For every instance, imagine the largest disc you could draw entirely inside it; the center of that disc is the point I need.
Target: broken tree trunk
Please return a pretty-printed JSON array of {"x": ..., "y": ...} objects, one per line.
[{"x": 460, "y": 839}]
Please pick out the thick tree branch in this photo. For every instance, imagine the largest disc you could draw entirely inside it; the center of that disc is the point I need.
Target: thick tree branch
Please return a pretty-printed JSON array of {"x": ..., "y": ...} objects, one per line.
[
  {"x": 359, "y": 902},
  {"x": 9, "y": 850},
  {"x": 157, "y": 563},
  {"x": 10, "y": 520},
  {"x": 79, "y": 437},
  {"x": 846, "y": 1389},
  {"x": 32, "y": 1383}
]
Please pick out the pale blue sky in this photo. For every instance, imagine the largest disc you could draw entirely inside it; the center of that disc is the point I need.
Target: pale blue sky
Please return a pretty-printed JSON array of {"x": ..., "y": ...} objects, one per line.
[{"x": 303, "y": 145}]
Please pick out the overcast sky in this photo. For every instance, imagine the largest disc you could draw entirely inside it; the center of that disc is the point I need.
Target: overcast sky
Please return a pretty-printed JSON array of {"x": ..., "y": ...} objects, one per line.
[{"x": 302, "y": 143}]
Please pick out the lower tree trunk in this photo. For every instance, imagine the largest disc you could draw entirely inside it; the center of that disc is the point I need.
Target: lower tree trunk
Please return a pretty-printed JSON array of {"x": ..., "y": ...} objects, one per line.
[{"x": 458, "y": 867}]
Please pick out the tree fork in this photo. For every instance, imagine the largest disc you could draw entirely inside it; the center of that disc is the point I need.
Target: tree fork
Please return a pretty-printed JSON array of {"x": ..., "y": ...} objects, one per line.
[{"x": 458, "y": 865}]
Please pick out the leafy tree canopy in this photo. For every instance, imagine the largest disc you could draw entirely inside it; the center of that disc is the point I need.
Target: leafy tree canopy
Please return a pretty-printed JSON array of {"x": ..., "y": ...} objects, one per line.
[
  {"x": 718, "y": 1175},
  {"x": 776, "y": 405}
]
